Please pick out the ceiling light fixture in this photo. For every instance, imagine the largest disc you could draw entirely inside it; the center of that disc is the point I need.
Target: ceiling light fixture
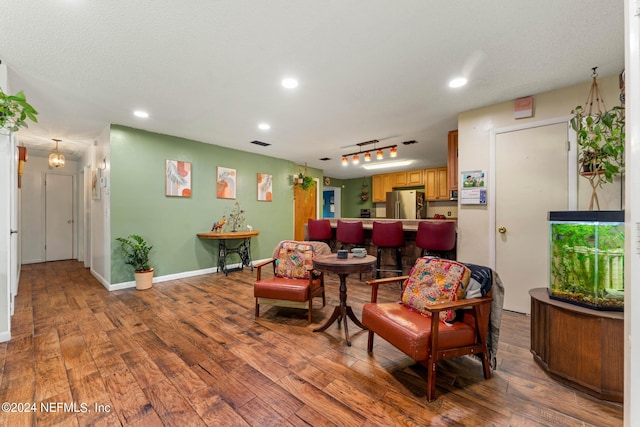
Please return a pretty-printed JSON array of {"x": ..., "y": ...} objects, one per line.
[
  {"x": 141, "y": 114},
  {"x": 289, "y": 83},
  {"x": 393, "y": 152},
  {"x": 388, "y": 164},
  {"x": 458, "y": 82},
  {"x": 264, "y": 126},
  {"x": 56, "y": 160}
]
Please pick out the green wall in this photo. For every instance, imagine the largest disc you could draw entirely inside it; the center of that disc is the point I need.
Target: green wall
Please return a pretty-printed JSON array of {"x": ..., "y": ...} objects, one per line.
[
  {"x": 170, "y": 224},
  {"x": 351, "y": 201}
]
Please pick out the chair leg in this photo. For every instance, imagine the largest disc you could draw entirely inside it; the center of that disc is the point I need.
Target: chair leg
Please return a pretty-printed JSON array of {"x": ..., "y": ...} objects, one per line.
[
  {"x": 370, "y": 342},
  {"x": 486, "y": 366},
  {"x": 399, "y": 260},
  {"x": 257, "y": 314},
  {"x": 431, "y": 380},
  {"x": 378, "y": 263},
  {"x": 310, "y": 309}
]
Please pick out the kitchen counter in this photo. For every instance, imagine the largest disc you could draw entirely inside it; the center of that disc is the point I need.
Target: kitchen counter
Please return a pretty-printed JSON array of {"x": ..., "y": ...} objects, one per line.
[{"x": 407, "y": 224}]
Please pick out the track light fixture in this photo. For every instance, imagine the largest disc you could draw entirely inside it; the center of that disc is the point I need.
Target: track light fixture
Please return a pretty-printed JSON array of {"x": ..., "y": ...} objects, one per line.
[{"x": 355, "y": 157}]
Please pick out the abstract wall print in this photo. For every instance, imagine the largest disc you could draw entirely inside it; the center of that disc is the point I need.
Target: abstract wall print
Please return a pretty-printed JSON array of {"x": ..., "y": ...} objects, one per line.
[
  {"x": 226, "y": 183},
  {"x": 177, "y": 179},
  {"x": 265, "y": 187}
]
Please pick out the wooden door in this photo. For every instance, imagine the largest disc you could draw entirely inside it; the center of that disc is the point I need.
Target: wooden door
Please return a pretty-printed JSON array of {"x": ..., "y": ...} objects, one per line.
[
  {"x": 529, "y": 184},
  {"x": 58, "y": 217},
  {"x": 415, "y": 178},
  {"x": 379, "y": 192},
  {"x": 304, "y": 208},
  {"x": 430, "y": 179}
]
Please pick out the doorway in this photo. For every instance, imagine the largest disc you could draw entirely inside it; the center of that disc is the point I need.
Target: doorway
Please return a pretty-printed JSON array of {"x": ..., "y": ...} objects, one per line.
[
  {"x": 532, "y": 177},
  {"x": 331, "y": 197},
  {"x": 58, "y": 217}
]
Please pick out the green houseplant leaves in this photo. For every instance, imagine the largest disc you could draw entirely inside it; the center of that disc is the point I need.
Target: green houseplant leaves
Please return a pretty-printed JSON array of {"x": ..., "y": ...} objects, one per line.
[
  {"x": 15, "y": 111},
  {"x": 135, "y": 252}
]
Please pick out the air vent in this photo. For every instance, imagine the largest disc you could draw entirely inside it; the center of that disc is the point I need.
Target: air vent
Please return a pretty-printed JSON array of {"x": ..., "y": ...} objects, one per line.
[
  {"x": 324, "y": 159},
  {"x": 263, "y": 144},
  {"x": 409, "y": 142}
]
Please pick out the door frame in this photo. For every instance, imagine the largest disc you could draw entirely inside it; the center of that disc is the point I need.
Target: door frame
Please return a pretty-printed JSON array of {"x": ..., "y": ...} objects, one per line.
[{"x": 572, "y": 178}]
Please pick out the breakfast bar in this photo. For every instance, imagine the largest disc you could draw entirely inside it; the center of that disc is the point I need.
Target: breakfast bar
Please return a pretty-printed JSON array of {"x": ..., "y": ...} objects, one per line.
[{"x": 410, "y": 251}]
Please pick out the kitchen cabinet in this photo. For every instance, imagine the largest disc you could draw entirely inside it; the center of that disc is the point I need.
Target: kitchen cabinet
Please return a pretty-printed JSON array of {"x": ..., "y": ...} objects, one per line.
[
  {"x": 380, "y": 185},
  {"x": 415, "y": 178},
  {"x": 399, "y": 179},
  {"x": 436, "y": 184},
  {"x": 452, "y": 160}
]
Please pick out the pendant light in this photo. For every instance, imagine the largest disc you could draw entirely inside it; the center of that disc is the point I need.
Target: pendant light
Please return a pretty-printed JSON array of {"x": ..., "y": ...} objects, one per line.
[{"x": 56, "y": 160}]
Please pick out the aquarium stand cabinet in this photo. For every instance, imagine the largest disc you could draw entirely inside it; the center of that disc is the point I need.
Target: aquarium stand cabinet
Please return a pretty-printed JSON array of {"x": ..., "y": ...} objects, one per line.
[{"x": 579, "y": 346}]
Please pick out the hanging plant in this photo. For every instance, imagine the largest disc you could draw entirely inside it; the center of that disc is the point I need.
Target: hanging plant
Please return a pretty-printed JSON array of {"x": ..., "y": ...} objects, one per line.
[
  {"x": 303, "y": 180},
  {"x": 364, "y": 192},
  {"x": 601, "y": 141},
  {"x": 15, "y": 110}
]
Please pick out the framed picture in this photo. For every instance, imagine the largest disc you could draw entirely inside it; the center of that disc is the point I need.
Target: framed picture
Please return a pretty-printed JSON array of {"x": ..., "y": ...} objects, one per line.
[
  {"x": 95, "y": 184},
  {"x": 265, "y": 187},
  {"x": 177, "y": 179},
  {"x": 225, "y": 183}
]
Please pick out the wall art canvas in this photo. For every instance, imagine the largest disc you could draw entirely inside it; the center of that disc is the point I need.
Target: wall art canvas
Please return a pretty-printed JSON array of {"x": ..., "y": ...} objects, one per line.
[
  {"x": 177, "y": 179},
  {"x": 265, "y": 187},
  {"x": 226, "y": 183}
]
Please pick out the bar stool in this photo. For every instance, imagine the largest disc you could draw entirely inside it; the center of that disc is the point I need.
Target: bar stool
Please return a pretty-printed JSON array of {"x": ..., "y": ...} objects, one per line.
[
  {"x": 320, "y": 230},
  {"x": 389, "y": 235},
  {"x": 436, "y": 236},
  {"x": 350, "y": 233}
]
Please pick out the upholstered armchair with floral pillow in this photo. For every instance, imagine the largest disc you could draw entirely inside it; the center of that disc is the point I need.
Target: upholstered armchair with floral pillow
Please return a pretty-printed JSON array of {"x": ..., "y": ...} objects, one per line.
[{"x": 293, "y": 283}]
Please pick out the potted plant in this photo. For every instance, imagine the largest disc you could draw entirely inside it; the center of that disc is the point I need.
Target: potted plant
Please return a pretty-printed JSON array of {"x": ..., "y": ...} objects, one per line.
[
  {"x": 14, "y": 111},
  {"x": 136, "y": 253},
  {"x": 601, "y": 139}
]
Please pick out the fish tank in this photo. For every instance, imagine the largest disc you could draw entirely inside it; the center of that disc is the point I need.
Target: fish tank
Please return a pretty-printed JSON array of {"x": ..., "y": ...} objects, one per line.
[{"x": 587, "y": 258}]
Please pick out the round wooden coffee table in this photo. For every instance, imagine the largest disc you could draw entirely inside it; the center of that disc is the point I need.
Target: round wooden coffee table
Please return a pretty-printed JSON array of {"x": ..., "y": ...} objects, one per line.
[{"x": 343, "y": 267}]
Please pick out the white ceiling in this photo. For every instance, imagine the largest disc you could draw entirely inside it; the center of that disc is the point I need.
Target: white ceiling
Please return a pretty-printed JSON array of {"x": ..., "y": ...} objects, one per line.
[{"x": 368, "y": 69}]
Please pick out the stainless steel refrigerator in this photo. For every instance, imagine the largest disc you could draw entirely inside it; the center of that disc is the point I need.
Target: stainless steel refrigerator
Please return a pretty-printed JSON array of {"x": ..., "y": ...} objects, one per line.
[{"x": 406, "y": 204}]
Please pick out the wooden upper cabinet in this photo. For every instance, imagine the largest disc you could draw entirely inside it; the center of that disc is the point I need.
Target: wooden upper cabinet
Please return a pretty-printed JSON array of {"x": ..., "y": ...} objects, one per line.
[
  {"x": 436, "y": 184},
  {"x": 452, "y": 160},
  {"x": 415, "y": 178},
  {"x": 378, "y": 188},
  {"x": 399, "y": 179}
]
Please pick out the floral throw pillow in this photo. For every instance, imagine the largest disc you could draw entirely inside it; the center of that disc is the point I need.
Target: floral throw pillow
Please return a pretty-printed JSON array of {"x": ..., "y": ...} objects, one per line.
[
  {"x": 294, "y": 260},
  {"x": 434, "y": 281}
]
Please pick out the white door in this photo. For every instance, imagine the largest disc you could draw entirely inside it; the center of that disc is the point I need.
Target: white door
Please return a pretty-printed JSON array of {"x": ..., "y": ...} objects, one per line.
[
  {"x": 531, "y": 180},
  {"x": 58, "y": 217}
]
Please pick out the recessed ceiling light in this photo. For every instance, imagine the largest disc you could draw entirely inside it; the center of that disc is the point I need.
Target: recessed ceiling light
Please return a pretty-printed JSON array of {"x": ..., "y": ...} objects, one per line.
[
  {"x": 289, "y": 83},
  {"x": 458, "y": 82},
  {"x": 264, "y": 126},
  {"x": 141, "y": 114}
]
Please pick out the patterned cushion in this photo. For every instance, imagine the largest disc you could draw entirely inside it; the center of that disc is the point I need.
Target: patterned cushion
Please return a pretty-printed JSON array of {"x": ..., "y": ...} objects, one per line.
[
  {"x": 294, "y": 260},
  {"x": 434, "y": 281}
]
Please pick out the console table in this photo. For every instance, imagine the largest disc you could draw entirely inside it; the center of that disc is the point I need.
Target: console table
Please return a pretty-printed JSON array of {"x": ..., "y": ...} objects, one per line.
[
  {"x": 243, "y": 249},
  {"x": 578, "y": 346}
]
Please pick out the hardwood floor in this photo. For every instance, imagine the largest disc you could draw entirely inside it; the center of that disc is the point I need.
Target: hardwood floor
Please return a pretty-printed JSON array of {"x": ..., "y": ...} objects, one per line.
[{"x": 189, "y": 352}]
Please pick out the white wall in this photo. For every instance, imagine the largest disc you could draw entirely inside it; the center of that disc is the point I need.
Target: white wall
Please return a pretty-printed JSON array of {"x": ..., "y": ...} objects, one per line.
[
  {"x": 100, "y": 213},
  {"x": 473, "y": 154},
  {"x": 6, "y": 152},
  {"x": 632, "y": 220},
  {"x": 32, "y": 210}
]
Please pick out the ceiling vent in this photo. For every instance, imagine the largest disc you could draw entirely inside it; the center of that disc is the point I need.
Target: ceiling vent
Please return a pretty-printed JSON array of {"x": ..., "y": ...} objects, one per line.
[
  {"x": 409, "y": 142},
  {"x": 262, "y": 144},
  {"x": 324, "y": 159}
]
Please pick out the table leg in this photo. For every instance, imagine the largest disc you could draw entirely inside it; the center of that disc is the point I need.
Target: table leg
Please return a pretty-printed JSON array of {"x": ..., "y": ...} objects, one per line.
[
  {"x": 342, "y": 311},
  {"x": 222, "y": 257}
]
